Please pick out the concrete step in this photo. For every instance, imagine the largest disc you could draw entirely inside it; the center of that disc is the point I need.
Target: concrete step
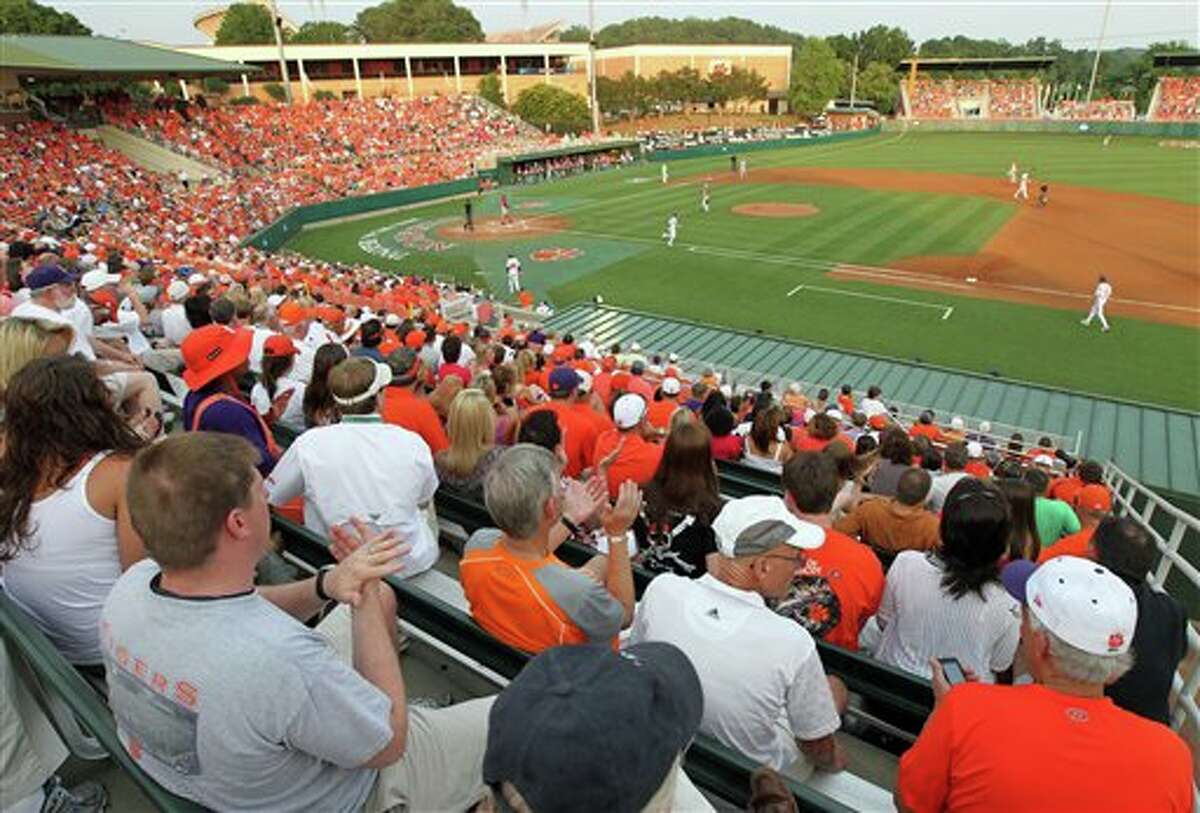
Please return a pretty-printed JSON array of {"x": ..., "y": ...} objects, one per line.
[{"x": 152, "y": 156}]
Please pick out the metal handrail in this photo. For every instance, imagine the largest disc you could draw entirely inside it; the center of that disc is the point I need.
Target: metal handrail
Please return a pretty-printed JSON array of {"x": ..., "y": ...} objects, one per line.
[{"x": 1134, "y": 500}]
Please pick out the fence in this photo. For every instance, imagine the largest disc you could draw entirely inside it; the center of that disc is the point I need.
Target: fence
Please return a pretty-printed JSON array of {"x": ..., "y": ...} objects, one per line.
[
  {"x": 1174, "y": 129},
  {"x": 737, "y": 148},
  {"x": 291, "y": 222}
]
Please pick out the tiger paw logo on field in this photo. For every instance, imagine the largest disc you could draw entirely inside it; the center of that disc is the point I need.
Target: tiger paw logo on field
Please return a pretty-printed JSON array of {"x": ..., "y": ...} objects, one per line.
[{"x": 555, "y": 254}]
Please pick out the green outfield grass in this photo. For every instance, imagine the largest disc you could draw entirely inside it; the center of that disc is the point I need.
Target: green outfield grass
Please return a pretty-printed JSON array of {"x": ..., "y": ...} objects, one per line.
[{"x": 739, "y": 271}]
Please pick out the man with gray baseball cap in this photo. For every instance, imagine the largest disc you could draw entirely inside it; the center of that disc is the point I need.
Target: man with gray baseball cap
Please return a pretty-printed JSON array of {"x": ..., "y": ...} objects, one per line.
[
  {"x": 782, "y": 712},
  {"x": 643, "y": 703},
  {"x": 1057, "y": 743}
]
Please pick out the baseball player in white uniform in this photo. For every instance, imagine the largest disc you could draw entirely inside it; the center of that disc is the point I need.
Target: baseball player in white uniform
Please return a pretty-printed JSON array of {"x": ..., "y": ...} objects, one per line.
[
  {"x": 672, "y": 227},
  {"x": 665, "y": 176},
  {"x": 705, "y": 197},
  {"x": 512, "y": 267},
  {"x": 1012, "y": 172},
  {"x": 1022, "y": 192},
  {"x": 743, "y": 168},
  {"x": 1100, "y": 297}
]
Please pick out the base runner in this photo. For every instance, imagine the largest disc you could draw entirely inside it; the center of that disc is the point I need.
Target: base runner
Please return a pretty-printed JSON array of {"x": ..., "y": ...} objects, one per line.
[{"x": 1100, "y": 297}]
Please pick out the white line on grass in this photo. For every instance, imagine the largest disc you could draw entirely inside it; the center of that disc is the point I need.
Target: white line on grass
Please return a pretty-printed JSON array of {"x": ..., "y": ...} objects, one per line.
[{"x": 840, "y": 292}]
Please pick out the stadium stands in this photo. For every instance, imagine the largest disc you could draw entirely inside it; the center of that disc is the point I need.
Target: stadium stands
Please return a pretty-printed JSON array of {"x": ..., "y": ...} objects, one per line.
[
  {"x": 1096, "y": 110},
  {"x": 973, "y": 98},
  {"x": 1178, "y": 99}
]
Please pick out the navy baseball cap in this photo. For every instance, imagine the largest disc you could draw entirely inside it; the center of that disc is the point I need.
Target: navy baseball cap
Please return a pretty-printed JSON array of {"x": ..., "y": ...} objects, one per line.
[
  {"x": 641, "y": 706},
  {"x": 46, "y": 275},
  {"x": 563, "y": 379}
]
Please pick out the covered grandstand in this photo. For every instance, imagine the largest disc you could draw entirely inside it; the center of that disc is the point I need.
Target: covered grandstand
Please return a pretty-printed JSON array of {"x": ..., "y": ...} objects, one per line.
[{"x": 979, "y": 97}]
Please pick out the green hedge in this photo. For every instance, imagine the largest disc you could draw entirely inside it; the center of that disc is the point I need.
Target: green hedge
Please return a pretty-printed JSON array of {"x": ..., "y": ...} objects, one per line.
[{"x": 292, "y": 221}]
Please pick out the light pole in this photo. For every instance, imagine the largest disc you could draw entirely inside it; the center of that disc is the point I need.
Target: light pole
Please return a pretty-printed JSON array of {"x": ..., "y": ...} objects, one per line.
[
  {"x": 592, "y": 67},
  {"x": 1099, "y": 46},
  {"x": 277, "y": 25}
]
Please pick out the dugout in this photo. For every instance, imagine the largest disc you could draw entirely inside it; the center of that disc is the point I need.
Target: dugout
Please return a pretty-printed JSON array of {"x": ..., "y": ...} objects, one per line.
[{"x": 559, "y": 162}]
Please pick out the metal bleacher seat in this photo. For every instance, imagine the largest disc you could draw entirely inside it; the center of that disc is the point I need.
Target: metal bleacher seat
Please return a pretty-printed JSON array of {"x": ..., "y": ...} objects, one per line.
[{"x": 79, "y": 715}]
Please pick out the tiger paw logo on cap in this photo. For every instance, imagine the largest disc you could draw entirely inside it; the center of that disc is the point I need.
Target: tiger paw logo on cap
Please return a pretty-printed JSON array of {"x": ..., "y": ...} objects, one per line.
[{"x": 1115, "y": 641}]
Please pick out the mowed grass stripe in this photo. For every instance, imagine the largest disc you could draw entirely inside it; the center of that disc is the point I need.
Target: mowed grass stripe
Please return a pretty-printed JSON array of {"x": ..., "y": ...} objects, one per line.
[
  {"x": 877, "y": 245},
  {"x": 835, "y": 243},
  {"x": 945, "y": 233}
]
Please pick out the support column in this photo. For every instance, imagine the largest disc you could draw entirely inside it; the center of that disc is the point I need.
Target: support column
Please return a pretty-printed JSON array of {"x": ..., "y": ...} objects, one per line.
[
  {"x": 183, "y": 87},
  {"x": 546, "y": 66},
  {"x": 357, "y": 78},
  {"x": 504, "y": 77},
  {"x": 408, "y": 76},
  {"x": 245, "y": 85},
  {"x": 303, "y": 80},
  {"x": 457, "y": 76}
]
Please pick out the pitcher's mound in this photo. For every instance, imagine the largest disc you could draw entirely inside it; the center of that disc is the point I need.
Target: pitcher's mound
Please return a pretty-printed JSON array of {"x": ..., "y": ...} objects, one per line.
[
  {"x": 776, "y": 209},
  {"x": 490, "y": 228}
]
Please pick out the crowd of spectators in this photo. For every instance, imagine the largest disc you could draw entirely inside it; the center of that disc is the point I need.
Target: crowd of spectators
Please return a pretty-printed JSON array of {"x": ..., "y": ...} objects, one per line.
[
  {"x": 1096, "y": 110},
  {"x": 990, "y": 98},
  {"x": 1178, "y": 98},
  {"x": 135, "y": 547}
]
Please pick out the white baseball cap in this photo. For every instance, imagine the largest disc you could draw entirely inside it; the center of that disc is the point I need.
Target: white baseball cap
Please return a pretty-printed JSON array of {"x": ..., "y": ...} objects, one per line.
[
  {"x": 635, "y": 347},
  {"x": 383, "y": 377},
  {"x": 392, "y": 320},
  {"x": 985, "y": 426},
  {"x": 97, "y": 279},
  {"x": 177, "y": 291},
  {"x": 754, "y": 525},
  {"x": 1080, "y": 601},
  {"x": 957, "y": 423},
  {"x": 673, "y": 357},
  {"x": 629, "y": 410},
  {"x": 670, "y": 386},
  {"x": 1043, "y": 460},
  {"x": 585, "y": 381},
  {"x": 274, "y": 300},
  {"x": 548, "y": 348},
  {"x": 974, "y": 449},
  {"x": 836, "y": 414},
  {"x": 197, "y": 279}
]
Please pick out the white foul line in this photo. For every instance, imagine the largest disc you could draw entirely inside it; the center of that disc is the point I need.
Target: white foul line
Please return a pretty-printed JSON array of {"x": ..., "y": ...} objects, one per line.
[{"x": 946, "y": 311}]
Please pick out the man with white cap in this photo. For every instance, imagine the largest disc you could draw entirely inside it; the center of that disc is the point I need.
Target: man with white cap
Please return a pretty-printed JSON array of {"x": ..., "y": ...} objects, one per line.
[
  {"x": 976, "y": 464},
  {"x": 765, "y": 693},
  {"x": 1058, "y": 743},
  {"x": 128, "y": 319},
  {"x": 361, "y": 467},
  {"x": 628, "y": 446}
]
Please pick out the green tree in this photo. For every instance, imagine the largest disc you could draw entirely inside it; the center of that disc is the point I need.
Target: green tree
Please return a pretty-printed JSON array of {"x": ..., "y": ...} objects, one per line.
[
  {"x": 576, "y": 33},
  {"x": 324, "y": 31},
  {"x": 418, "y": 21},
  {"x": 563, "y": 111},
  {"x": 29, "y": 17},
  {"x": 490, "y": 89},
  {"x": 215, "y": 85},
  {"x": 275, "y": 91},
  {"x": 878, "y": 83},
  {"x": 246, "y": 24},
  {"x": 817, "y": 76}
]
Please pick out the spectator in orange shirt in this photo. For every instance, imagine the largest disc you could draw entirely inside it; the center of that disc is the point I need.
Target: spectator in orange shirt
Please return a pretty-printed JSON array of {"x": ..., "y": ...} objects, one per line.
[
  {"x": 987, "y": 748},
  {"x": 819, "y": 433},
  {"x": 845, "y": 400},
  {"x": 451, "y": 353},
  {"x": 1092, "y": 505},
  {"x": 633, "y": 456},
  {"x": 895, "y": 524},
  {"x": 637, "y": 384},
  {"x": 926, "y": 427},
  {"x": 838, "y": 585},
  {"x": 579, "y": 429},
  {"x": 666, "y": 401},
  {"x": 1088, "y": 472},
  {"x": 404, "y": 405},
  {"x": 976, "y": 465}
]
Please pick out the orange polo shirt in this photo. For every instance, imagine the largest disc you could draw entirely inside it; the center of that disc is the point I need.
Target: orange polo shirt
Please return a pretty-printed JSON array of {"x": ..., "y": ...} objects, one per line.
[
  {"x": 403, "y": 407},
  {"x": 659, "y": 412},
  {"x": 579, "y": 432},
  {"x": 1076, "y": 544},
  {"x": 637, "y": 460}
]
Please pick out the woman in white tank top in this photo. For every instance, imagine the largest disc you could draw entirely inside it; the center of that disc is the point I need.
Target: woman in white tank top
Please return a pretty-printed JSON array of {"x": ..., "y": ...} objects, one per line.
[{"x": 65, "y": 533}]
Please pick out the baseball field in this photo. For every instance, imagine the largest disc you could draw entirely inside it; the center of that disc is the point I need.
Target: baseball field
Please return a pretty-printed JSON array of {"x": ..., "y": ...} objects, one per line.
[{"x": 907, "y": 245}]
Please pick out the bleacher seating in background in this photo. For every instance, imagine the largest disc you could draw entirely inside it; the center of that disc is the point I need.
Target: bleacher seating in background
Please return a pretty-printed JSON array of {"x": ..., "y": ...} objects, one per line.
[
  {"x": 1096, "y": 110},
  {"x": 1178, "y": 99},
  {"x": 974, "y": 98}
]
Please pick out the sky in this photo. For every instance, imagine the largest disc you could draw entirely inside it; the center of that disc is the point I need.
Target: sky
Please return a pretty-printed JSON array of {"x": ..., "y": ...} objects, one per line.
[{"x": 1076, "y": 22}]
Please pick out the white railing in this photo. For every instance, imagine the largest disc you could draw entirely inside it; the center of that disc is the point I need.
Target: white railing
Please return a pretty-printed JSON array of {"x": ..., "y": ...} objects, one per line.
[{"x": 1134, "y": 500}]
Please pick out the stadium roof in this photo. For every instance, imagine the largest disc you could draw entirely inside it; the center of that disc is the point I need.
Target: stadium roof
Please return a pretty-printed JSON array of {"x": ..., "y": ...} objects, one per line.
[
  {"x": 63, "y": 57},
  {"x": 1190, "y": 59},
  {"x": 997, "y": 63}
]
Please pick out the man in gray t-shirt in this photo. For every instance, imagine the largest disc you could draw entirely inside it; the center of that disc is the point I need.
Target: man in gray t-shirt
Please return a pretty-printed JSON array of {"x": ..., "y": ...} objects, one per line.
[{"x": 220, "y": 692}]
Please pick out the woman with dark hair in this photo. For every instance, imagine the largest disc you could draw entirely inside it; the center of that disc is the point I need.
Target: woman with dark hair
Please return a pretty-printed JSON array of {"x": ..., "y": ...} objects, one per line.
[
  {"x": 277, "y": 396},
  {"x": 1025, "y": 541},
  {"x": 895, "y": 458},
  {"x": 767, "y": 448},
  {"x": 674, "y": 532},
  {"x": 65, "y": 532},
  {"x": 319, "y": 407},
  {"x": 949, "y": 603},
  {"x": 822, "y": 430},
  {"x": 725, "y": 444}
]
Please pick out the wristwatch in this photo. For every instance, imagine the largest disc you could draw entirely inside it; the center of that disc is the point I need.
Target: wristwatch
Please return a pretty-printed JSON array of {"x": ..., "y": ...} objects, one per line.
[
  {"x": 574, "y": 529},
  {"x": 320, "y": 583}
]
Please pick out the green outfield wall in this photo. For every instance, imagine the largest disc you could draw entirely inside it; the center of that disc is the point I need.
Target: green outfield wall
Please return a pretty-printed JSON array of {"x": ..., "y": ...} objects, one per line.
[
  {"x": 705, "y": 150},
  {"x": 1170, "y": 129}
]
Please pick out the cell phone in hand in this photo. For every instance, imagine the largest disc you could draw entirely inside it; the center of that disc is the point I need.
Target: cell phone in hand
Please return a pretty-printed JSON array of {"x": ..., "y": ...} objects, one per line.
[{"x": 953, "y": 670}]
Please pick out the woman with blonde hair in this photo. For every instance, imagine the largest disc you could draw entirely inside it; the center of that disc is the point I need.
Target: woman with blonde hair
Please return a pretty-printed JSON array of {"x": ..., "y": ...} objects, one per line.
[
  {"x": 471, "y": 430},
  {"x": 23, "y": 340}
]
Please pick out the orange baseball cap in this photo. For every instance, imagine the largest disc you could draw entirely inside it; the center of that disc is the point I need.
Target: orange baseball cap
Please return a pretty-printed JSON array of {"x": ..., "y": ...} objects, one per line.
[
  {"x": 211, "y": 351},
  {"x": 278, "y": 346},
  {"x": 415, "y": 339},
  {"x": 290, "y": 313},
  {"x": 1094, "y": 497}
]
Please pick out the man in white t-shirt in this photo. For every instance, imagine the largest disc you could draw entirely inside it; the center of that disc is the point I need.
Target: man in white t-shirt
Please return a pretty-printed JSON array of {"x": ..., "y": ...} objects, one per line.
[
  {"x": 52, "y": 297},
  {"x": 955, "y": 460},
  {"x": 175, "y": 323},
  {"x": 512, "y": 267},
  {"x": 362, "y": 467},
  {"x": 1100, "y": 298},
  {"x": 131, "y": 317},
  {"x": 765, "y": 693}
]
